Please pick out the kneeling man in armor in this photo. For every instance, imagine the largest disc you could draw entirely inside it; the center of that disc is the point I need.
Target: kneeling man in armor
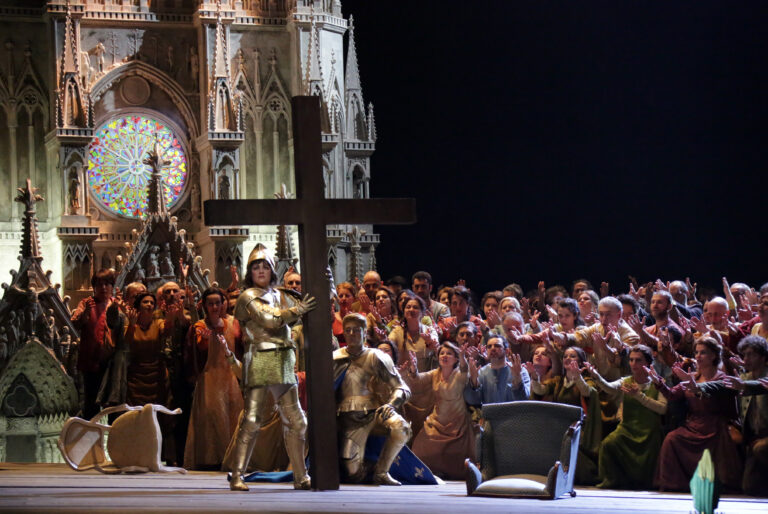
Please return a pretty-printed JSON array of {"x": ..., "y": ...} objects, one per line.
[{"x": 360, "y": 410}]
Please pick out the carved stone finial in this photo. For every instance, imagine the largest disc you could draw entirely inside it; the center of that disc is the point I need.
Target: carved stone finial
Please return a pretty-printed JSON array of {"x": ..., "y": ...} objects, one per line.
[
  {"x": 155, "y": 193},
  {"x": 30, "y": 243}
]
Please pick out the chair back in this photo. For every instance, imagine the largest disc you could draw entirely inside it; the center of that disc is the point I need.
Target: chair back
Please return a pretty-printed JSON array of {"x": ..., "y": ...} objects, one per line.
[{"x": 526, "y": 436}]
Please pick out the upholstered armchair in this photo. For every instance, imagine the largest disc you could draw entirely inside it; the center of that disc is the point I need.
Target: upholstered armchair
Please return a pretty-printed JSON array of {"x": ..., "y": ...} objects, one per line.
[{"x": 526, "y": 449}]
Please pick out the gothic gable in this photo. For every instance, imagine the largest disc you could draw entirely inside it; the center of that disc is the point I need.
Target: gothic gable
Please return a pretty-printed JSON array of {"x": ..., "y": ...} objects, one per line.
[{"x": 46, "y": 388}]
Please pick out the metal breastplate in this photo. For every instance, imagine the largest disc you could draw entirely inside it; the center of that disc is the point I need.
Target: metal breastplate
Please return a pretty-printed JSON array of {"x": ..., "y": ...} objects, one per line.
[{"x": 355, "y": 394}]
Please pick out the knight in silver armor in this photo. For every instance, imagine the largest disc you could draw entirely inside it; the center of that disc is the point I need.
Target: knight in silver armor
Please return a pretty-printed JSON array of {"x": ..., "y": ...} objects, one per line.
[
  {"x": 265, "y": 313},
  {"x": 367, "y": 402}
]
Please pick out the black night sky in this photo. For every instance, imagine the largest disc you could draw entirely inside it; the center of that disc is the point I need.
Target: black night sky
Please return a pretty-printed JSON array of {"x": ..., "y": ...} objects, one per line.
[{"x": 556, "y": 139}]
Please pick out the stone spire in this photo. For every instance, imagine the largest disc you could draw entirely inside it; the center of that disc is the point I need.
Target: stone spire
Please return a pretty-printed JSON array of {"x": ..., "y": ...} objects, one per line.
[
  {"x": 70, "y": 63},
  {"x": 220, "y": 50},
  {"x": 352, "y": 78},
  {"x": 31, "y": 306},
  {"x": 155, "y": 193},
  {"x": 284, "y": 249},
  {"x": 371, "y": 123},
  {"x": 30, "y": 242},
  {"x": 314, "y": 77}
]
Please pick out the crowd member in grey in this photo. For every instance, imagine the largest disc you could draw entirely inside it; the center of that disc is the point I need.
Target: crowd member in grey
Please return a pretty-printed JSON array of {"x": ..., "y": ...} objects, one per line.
[{"x": 500, "y": 380}]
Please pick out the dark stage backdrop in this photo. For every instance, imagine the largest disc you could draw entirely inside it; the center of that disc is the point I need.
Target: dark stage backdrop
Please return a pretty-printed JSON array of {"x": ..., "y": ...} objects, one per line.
[{"x": 557, "y": 139}]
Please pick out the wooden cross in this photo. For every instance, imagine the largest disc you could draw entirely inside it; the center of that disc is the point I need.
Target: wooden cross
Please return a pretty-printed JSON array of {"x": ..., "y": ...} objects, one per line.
[{"x": 311, "y": 211}]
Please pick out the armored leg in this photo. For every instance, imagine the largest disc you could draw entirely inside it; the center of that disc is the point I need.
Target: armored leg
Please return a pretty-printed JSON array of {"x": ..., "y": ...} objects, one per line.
[
  {"x": 399, "y": 433},
  {"x": 355, "y": 428},
  {"x": 245, "y": 437},
  {"x": 294, "y": 432}
]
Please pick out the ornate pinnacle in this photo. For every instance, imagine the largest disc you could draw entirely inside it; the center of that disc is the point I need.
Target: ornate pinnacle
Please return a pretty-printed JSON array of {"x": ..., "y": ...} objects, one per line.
[
  {"x": 155, "y": 192},
  {"x": 283, "y": 250},
  {"x": 30, "y": 243}
]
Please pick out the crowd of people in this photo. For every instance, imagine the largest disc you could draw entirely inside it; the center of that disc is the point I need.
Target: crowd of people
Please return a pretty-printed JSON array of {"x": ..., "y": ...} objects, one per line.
[{"x": 661, "y": 373}]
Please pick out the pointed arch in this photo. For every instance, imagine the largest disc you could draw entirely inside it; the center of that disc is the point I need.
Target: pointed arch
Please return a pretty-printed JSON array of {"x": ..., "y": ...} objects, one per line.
[
  {"x": 357, "y": 126},
  {"x": 159, "y": 79}
]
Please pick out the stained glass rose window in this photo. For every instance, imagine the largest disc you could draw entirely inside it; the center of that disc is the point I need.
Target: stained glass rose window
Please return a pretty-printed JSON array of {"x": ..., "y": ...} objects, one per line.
[{"x": 117, "y": 176}]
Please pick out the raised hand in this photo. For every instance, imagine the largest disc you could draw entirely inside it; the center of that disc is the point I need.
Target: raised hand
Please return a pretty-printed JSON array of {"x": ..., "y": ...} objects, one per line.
[
  {"x": 651, "y": 372},
  {"x": 234, "y": 280},
  {"x": 745, "y": 310},
  {"x": 660, "y": 286},
  {"x": 461, "y": 283},
  {"x": 379, "y": 334},
  {"x": 413, "y": 361},
  {"x": 733, "y": 327},
  {"x": 531, "y": 369},
  {"x": 752, "y": 297},
  {"x": 699, "y": 325},
  {"x": 631, "y": 390},
  {"x": 716, "y": 336},
  {"x": 726, "y": 289},
  {"x": 449, "y": 325},
  {"x": 664, "y": 341},
  {"x": 306, "y": 304},
  {"x": 736, "y": 361},
  {"x": 515, "y": 363},
  {"x": 205, "y": 333},
  {"x": 558, "y": 337},
  {"x": 542, "y": 288},
  {"x": 365, "y": 302},
  {"x": 605, "y": 289},
  {"x": 637, "y": 324},
  {"x": 601, "y": 341},
  {"x": 132, "y": 314},
  {"x": 376, "y": 314},
  {"x": 494, "y": 318},
  {"x": 687, "y": 379},
  {"x": 633, "y": 292},
  {"x": 735, "y": 383},
  {"x": 691, "y": 288},
  {"x": 552, "y": 314},
  {"x": 590, "y": 368},
  {"x": 572, "y": 370},
  {"x": 535, "y": 319},
  {"x": 429, "y": 340},
  {"x": 525, "y": 306},
  {"x": 590, "y": 318},
  {"x": 224, "y": 346},
  {"x": 472, "y": 365}
]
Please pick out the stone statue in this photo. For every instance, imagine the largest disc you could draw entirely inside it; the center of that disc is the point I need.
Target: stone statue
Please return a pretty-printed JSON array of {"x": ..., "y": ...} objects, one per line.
[
  {"x": 153, "y": 269},
  {"x": 166, "y": 261},
  {"x": 224, "y": 187},
  {"x": 194, "y": 63},
  {"x": 73, "y": 190},
  {"x": 170, "y": 58},
  {"x": 138, "y": 274},
  {"x": 195, "y": 200},
  {"x": 99, "y": 50}
]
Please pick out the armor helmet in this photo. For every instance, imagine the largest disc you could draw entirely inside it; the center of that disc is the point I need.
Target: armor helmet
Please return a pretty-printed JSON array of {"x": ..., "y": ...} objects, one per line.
[{"x": 260, "y": 253}]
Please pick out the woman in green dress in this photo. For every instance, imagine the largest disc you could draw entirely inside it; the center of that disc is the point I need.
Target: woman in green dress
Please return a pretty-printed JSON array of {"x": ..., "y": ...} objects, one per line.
[
  {"x": 627, "y": 458},
  {"x": 572, "y": 388}
]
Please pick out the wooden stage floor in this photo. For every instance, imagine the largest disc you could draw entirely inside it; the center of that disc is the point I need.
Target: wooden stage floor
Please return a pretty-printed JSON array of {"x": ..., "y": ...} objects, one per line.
[{"x": 56, "y": 488}]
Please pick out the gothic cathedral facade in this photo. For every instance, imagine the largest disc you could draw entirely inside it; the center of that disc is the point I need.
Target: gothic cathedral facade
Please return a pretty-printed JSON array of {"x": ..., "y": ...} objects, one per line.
[{"x": 87, "y": 87}]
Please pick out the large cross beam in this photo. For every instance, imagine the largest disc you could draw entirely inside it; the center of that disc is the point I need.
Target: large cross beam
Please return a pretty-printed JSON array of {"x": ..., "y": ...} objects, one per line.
[{"x": 311, "y": 211}]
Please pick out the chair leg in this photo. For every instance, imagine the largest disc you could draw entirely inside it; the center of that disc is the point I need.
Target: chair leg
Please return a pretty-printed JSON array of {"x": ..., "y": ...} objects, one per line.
[{"x": 474, "y": 477}]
